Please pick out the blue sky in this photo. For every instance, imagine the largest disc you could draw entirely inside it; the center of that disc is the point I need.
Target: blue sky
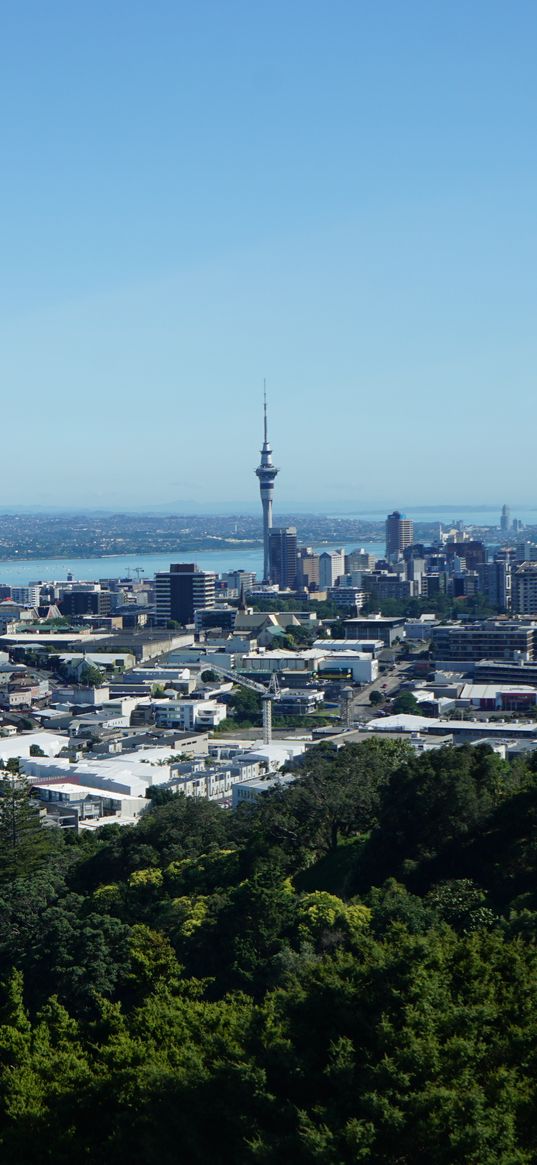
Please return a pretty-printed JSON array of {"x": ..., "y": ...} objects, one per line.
[{"x": 338, "y": 196}]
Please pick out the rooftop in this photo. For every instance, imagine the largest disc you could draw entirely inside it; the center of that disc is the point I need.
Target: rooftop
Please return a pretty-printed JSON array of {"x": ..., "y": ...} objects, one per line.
[{"x": 411, "y": 723}]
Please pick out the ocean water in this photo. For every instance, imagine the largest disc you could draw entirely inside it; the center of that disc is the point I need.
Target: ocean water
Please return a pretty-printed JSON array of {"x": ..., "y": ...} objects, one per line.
[
  {"x": 18, "y": 573},
  {"x": 15, "y": 572}
]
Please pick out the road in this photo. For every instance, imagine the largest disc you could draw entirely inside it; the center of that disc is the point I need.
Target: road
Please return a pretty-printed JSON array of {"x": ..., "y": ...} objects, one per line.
[{"x": 387, "y": 683}]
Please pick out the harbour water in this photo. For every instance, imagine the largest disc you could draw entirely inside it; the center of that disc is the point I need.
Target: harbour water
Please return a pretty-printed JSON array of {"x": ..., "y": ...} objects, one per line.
[
  {"x": 18, "y": 573},
  {"x": 15, "y": 572}
]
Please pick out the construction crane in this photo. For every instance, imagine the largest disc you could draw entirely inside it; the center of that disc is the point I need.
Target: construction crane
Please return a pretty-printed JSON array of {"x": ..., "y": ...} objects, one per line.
[{"x": 268, "y": 695}]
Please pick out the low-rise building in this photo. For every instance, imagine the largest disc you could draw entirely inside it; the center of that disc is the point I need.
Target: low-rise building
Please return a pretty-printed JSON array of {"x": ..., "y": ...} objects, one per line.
[
  {"x": 361, "y": 668},
  {"x": 248, "y": 791},
  {"x": 348, "y": 598},
  {"x": 499, "y": 697},
  {"x": 21, "y": 696},
  {"x": 515, "y": 671},
  {"x": 190, "y": 714},
  {"x": 74, "y": 805},
  {"x": 81, "y": 695},
  {"x": 267, "y": 662},
  {"x": 421, "y": 628},
  {"x": 363, "y": 646},
  {"x": 387, "y": 628},
  {"x": 105, "y": 661},
  {"x": 23, "y": 744},
  {"x": 298, "y": 701},
  {"x": 485, "y": 639}
]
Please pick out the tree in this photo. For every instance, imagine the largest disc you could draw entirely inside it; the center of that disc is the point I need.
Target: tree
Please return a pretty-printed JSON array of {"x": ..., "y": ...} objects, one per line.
[
  {"x": 337, "y": 629},
  {"x": 434, "y": 801},
  {"x": 90, "y": 676},
  {"x": 36, "y": 750},
  {"x": 24, "y": 843},
  {"x": 376, "y": 697},
  {"x": 337, "y": 794},
  {"x": 159, "y": 795},
  {"x": 405, "y": 704},
  {"x": 246, "y": 706},
  {"x": 303, "y": 636}
]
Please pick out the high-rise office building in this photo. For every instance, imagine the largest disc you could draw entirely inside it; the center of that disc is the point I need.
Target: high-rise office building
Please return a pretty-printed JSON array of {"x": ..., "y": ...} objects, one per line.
[
  {"x": 359, "y": 559},
  {"x": 283, "y": 556},
  {"x": 266, "y": 473},
  {"x": 495, "y": 582},
  {"x": 307, "y": 571},
  {"x": 331, "y": 567},
  {"x": 470, "y": 553},
  {"x": 524, "y": 589},
  {"x": 239, "y": 580},
  {"x": 81, "y": 601},
  {"x": 505, "y": 520},
  {"x": 399, "y": 534},
  {"x": 181, "y": 590}
]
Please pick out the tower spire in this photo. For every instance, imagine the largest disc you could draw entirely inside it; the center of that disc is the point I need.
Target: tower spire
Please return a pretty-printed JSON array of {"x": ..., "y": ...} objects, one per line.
[{"x": 266, "y": 472}]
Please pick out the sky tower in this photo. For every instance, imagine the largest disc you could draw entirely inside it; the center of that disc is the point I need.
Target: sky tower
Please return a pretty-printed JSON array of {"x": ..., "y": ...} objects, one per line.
[{"x": 266, "y": 473}]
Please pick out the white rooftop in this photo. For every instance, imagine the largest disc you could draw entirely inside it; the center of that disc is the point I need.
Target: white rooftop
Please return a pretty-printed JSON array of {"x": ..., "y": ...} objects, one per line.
[
  {"x": 490, "y": 691},
  {"x": 263, "y": 784},
  {"x": 82, "y": 790},
  {"x": 355, "y": 645},
  {"x": 281, "y": 653},
  {"x": 98, "y": 656},
  {"x": 17, "y": 746},
  {"x": 278, "y": 753},
  {"x": 51, "y": 636},
  {"x": 411, "y": 723}
]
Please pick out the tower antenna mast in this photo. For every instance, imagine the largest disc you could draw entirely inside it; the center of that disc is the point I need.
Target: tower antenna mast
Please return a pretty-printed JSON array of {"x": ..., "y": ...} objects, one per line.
[{"x": 266, "y": 472}]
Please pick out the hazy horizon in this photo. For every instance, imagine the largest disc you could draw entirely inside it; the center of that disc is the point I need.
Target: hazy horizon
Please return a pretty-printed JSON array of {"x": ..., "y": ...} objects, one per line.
[{"x": 236, "y": 509}]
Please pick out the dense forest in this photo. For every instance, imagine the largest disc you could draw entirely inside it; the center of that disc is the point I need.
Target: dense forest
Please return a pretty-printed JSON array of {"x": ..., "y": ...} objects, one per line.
[{"x": 344, "y": 970}]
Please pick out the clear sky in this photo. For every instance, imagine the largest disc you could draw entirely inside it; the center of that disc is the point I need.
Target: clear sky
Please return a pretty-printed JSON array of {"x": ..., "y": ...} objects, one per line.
[{"x": 339, "y": 195}]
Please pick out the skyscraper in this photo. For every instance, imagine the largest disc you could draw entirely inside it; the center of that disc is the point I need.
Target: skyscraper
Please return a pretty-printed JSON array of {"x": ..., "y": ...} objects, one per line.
[
  {"x": 331, "y": 567},
  {"x": 307, "y": 568},
  {"x": 283, "y": 556},
  {"x": 399, "y": 534},
  {"x": 505, "y": 520},
  {"x": 266, "y": 473},
  {"x": 181, "y": 590}
]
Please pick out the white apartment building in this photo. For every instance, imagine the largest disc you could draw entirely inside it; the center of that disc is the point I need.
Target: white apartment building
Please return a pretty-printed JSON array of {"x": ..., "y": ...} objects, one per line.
[
  {"x": 190, "y": 715},
  {"x": 27, "y": 596},
  {"x": 211, "y": 784}
]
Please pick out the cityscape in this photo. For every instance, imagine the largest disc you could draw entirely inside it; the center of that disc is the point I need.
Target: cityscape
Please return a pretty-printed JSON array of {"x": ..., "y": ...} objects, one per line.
[
  {"x": 423, "y": 639},
  {"x": 268, "y": 583}
]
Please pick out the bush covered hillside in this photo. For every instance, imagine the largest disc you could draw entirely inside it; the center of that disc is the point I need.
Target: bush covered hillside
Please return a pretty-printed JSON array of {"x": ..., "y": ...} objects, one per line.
[{"x": 344, "y": 971}]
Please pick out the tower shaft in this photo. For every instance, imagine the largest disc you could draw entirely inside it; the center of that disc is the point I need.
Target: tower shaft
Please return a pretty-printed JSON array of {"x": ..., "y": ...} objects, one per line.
[{"x": 266, "y": 472}]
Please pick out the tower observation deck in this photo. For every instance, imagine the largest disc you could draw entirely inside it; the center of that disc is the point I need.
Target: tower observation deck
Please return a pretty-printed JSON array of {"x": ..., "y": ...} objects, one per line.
[{"x": 266, "y": 473}]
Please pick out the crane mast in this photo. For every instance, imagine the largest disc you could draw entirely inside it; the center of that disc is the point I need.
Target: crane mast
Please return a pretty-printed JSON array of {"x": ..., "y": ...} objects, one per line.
[{"x": 268, "y": 695}]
